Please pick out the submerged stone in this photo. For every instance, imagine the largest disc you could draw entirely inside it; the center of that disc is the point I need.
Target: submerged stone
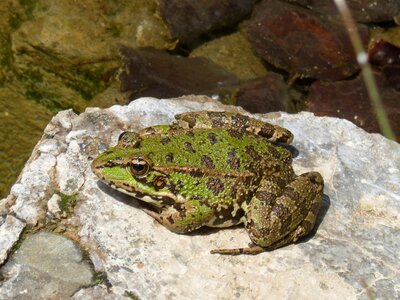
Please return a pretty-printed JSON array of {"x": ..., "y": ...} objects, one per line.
[
  {"x": 155, "y": 73},
  {"x": 189, "y": 19},
  {"x": 302, "y": 42}
]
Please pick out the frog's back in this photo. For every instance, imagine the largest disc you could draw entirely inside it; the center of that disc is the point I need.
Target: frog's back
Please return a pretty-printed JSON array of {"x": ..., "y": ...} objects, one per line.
[{"x": 223, "y": 150}]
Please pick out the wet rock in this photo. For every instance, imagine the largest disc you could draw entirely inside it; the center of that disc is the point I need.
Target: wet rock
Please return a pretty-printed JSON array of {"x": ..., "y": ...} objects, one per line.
[
  {"x": 386, "y": 57},
  {"x": 266, "y": 94},
  {"x": 46, "y": 266},
  {"x": 233, "y": 53},
  {"x": 301, "y": 41},
  {"x": 361, "y": 10},
  {"x": 353, "y": 245},
  {"x": 60, "y": 65},
  {"x": 349, "y": 99},
  {"x": 155, "y": 73},
  {"x": 382, "y": 53},
  {"x": 188, "y": 19}
]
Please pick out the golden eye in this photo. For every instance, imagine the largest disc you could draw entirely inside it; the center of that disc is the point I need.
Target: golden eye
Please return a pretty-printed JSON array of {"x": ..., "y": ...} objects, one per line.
[{"x": 139, "y": 167}]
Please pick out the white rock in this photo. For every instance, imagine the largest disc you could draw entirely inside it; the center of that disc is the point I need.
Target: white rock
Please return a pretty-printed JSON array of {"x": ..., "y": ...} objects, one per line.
[
  {"x": 353, "y": 253},
  {"x": 10, "y": 230},
  {"x": 69, "y": 169},
  {"x": 33, "y": 187},
  {"x": 53, "y": 204}
]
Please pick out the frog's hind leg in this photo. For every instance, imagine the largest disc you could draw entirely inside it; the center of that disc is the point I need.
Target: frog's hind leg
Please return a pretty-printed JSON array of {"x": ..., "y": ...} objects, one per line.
[
  {"x": 235, "y": 121},
  {"x": 186, "y": 218},
  {"x": 278, "y": 216}
]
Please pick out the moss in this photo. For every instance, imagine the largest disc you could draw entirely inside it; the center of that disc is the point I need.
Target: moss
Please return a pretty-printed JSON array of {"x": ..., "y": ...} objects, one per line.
[
  {"x": 33, "y": 95},
  {"x": 67, "y": 202},
  {"x": 25, "y": 232},
  {"x": 100, "y": 278},
  {"x": 115, "y": 30},
  {"x": 29, "y": 6},
  {"x": 131, "y": 295},
  {"x": 88, "y": 83}
]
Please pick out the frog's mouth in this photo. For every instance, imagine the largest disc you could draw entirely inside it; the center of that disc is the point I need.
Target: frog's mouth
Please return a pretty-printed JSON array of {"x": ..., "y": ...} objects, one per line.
[{"x": 160, "y": 200}]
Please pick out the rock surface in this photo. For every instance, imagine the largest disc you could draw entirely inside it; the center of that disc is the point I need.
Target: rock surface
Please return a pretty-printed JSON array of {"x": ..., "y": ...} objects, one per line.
[
  {"x": 353, "y": 254},
  {"x": 10, "y": 230},
  {"x": 46, "y": 266}
]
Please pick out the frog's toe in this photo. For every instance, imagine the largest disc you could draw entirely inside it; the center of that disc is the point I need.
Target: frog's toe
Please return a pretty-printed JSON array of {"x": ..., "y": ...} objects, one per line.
[{"x": 237, "y": 251}]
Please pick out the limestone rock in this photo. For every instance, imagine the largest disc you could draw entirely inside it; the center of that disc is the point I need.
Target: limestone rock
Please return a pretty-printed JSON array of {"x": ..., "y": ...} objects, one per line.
[
  {"x": 10, "y": 230},
  {"x": 352, "y": 255}
]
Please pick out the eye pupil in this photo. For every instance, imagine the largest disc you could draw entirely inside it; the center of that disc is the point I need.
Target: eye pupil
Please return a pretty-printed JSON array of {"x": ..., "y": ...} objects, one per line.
[{"x": 138, "y": 167}]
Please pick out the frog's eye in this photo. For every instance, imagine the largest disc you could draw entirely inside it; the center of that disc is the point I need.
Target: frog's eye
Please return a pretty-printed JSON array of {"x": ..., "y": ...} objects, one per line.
[{"x": 139, "y": 167}]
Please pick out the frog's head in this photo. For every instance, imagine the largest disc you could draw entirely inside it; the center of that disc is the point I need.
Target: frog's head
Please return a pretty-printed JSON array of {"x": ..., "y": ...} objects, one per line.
[{"x": 126, "y": 168}]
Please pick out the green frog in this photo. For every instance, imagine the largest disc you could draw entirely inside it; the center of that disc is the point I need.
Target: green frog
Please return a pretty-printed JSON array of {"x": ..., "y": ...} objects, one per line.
[{"x": 216, "y": 169}]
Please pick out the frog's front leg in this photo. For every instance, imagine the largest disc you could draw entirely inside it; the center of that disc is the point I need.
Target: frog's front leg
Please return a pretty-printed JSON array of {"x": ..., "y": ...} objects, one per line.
[
  {"x": 277, "y": 216},
  {"x": 186, "y": 218},
  {"x": 235, "y": 121}
]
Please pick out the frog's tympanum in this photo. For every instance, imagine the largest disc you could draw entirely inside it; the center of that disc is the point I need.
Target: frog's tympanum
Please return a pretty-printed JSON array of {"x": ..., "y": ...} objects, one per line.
[{"x": 216, "y": 169}]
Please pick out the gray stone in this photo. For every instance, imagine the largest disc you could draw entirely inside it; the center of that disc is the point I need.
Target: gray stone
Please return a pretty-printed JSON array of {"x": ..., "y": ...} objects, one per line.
[
  {"x": 46, "y": 266},
  {"x": 352, "y": 255},
  {"x": 96, "y": 292}
]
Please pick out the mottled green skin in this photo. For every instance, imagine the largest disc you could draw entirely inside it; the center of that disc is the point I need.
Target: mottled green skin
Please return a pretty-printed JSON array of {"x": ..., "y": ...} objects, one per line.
[{"x": 217, "y": 170}]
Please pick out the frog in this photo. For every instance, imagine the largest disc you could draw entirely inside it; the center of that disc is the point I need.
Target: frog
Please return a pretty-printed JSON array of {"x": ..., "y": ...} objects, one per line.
[{"x": 216, "y": 169}]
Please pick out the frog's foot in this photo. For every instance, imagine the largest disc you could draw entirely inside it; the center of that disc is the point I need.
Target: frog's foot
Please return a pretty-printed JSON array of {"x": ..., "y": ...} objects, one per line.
[
  {"x": 234, "y": 121},
  {"x": 237, "y": 251}
]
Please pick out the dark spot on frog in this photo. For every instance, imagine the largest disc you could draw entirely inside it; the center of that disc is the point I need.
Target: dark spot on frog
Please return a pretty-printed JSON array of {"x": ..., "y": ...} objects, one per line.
[
  {"x": 267, "y": 197},
  {"x": 233, "y": 161},
  {"x": 285, "y": 223},
  {"x": 170, "y": 219},
  {"x": 189, "y": 147},
  {"x": 207, "y": 162},
  {"x": 267, "y": 130},
  {"x": 216, "y": 119},
  {"x": 274, "y": 152},
  {"x": 212, "y": 137},
  {"x": 190, "y": 120},
  {"x": 196, "y": 173},
  {"x": 149, "y": 130},
  {"x": 158, "y": 182},
  {"x": 240, "y": 121},
  {"x": 253, "y": 153},
  {"x": 190, "y": 134},
  {"x": 215, "y": 185},
  {"x": 256, "y": 231},
  {"x": 165, "y": 140},
  {"x": 280, "y": 211},
  {"x": 293, "y": 194},
  {"x": 238, "y": 213},
  {"x": 235, "y": 133},
  {"x": 169, "y": 157},
  {"x": 225, "y": 214}
]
